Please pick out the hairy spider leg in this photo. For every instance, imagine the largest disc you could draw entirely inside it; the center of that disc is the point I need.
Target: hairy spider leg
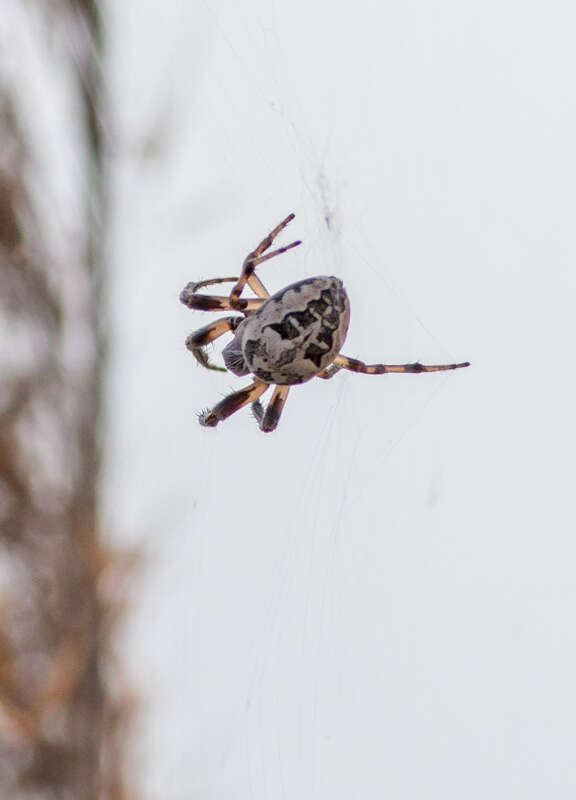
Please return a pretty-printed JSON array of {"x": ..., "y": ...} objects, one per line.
[
  {"x": 256, "y": 257},
  {"x": 190, "y": 297},
  {"x": 268, "y": 420},
  {"x": 210, "y": 282},
  {"x": 352, "y": 364},
  {"x": 232, "y": 403},
  {"x": 209, "y": 302},
  {"x": 253, "y": 281},
  {"x": 198, "y": 340}
]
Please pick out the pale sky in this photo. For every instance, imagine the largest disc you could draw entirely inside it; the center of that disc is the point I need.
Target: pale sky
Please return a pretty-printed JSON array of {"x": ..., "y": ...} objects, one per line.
[{"x": 378, "y": 599}]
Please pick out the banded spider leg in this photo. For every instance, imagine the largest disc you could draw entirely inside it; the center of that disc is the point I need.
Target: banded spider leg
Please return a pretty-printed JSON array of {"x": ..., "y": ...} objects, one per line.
[
  {"x": 354, "y": 365},
  {"x": 198, "y": 340}
]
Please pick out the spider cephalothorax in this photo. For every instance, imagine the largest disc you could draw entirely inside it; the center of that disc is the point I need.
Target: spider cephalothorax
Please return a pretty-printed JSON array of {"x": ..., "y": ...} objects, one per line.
[{"x": 283, "y": 340}]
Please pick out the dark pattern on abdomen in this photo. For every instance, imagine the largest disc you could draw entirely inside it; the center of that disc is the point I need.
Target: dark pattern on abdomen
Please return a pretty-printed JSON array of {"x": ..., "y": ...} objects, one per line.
[{"x": 323, "y": 313}]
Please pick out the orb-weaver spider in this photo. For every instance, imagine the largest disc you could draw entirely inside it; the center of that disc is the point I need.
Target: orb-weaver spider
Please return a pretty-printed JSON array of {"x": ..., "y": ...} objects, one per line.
[{"x": 282, "y": 340}]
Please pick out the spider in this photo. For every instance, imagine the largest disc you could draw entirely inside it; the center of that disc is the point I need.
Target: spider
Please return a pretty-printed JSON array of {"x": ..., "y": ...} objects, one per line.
[{"x": 282, "y": 340}]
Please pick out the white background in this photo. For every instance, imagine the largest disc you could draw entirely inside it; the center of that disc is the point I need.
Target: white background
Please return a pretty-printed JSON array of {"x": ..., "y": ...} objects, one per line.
[{"x": 376, "y": 600}]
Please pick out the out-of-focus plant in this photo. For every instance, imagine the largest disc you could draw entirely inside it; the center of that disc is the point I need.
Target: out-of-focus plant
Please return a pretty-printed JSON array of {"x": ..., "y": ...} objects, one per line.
[{"x": 62, "y": 703}]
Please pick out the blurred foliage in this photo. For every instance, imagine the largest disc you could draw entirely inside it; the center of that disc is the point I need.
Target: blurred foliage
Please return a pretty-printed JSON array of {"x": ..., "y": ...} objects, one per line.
[{"x": 63, "y": 704}]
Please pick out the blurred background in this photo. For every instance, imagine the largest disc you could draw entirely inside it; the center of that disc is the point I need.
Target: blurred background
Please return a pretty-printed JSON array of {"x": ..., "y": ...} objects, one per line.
[{"x": 378, "y": 598}]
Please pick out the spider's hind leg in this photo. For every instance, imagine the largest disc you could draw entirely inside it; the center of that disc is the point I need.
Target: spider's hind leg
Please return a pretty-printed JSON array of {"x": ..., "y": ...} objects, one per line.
[
  {"x": 352, "y": 364},
  {"x": 198, "y": 340},
  {"x": 268, "y": 420},
  {"x": 232, "y": 403},
  {"x": 328, "y": 372}
]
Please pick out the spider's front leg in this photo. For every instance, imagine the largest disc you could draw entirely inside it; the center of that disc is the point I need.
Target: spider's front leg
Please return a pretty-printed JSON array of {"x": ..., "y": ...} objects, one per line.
[
  {"x": 268, "y": 420},
  {"x": 198, "y": 340},
  {"x": 232, "y": 403},
  {"x": 209, "y": 302},
  {"x": 256, "y": 257}
]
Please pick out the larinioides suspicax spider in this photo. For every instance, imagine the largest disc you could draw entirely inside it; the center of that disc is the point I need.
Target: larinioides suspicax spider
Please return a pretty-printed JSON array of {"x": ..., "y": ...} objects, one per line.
[{"x": 282, "y": 340}]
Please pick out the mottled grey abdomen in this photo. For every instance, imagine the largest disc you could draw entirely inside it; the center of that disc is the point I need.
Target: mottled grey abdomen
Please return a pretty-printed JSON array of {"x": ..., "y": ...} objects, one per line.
[{"x": 295, "y": 335}]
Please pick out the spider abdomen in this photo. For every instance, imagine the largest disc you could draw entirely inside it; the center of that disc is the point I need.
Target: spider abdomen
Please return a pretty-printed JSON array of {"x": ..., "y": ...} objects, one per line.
[{"x": 295, "y": 335}]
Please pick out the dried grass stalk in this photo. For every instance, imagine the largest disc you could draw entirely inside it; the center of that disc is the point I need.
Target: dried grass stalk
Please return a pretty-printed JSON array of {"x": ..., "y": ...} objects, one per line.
[{"x": 63, "y": 709}]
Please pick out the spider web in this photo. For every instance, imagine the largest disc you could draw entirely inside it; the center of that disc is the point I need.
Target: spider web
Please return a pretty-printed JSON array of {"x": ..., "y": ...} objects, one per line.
[{"x": 267, "y": 537}]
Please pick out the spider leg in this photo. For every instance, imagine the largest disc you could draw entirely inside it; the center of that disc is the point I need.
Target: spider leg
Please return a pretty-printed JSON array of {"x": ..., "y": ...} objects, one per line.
[
  {"x": 268, "y": 420},
  {"x": 258, "y": 287},
  {"x": 232, "y": 403},
  {"x": 343, "y": 362},
  {"x": 329, "y": 372},
  {"x": 203, "y": 336},
  {"x": 209, "y": 302},
  {"x": 254, "y": 283},
  {"x": 211, "y": 282},
  {"x": 256, "y": 257}
]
